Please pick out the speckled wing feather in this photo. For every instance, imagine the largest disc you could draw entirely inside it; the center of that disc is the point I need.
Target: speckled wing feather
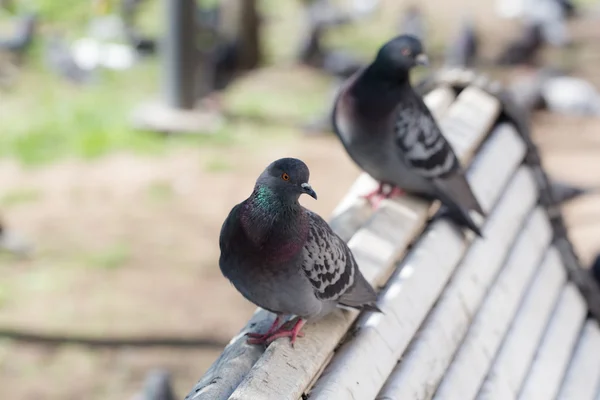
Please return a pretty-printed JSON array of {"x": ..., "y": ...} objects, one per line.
[
  {"x": 421, "y": 143},
  {"x": 328, "y": 262}
]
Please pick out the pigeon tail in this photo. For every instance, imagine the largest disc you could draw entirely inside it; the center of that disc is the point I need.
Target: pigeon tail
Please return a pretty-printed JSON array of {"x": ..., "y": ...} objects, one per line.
[
  {"x": 361, "y": 296},
  {"x": 456, "y": 194}
]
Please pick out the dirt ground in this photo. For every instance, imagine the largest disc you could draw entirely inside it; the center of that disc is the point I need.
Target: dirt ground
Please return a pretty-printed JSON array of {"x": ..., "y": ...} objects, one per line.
[{"x": 127, "y": 246}]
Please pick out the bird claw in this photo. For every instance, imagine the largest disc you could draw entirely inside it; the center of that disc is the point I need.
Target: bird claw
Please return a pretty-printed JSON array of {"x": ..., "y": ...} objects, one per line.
[
  {"x": 277, "y": 335},
  {"x": 377, "y": 196},
  {"x": 280, "y": 333}
]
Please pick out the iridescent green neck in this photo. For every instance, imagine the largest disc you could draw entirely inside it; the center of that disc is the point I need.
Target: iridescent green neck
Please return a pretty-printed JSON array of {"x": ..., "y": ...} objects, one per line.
[{"x": 265, "y": 198}]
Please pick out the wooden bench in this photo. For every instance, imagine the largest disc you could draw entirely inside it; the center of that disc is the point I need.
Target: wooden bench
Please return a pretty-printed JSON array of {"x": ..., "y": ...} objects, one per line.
[{"x": 464, "y": 318}]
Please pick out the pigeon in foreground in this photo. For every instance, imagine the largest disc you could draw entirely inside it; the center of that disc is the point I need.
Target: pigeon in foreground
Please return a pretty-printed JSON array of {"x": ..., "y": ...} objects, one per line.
[
  {"x": 285, "y": 258},
  {"x": 390, "y": 133}
]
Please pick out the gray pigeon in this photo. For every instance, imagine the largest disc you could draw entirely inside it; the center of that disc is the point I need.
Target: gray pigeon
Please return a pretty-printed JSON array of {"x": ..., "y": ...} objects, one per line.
[
  {"x": 463, "y": 49},
  {"x": 285, "y": 258},
  {"x": 390, "y": 133},
  {"x": 412, "y": 23},
  {"x": 525, "y": 48}
]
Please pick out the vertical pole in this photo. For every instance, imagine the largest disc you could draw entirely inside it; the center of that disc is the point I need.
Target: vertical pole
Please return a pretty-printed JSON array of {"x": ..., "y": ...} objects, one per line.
[{"x": 179, "y": 54}]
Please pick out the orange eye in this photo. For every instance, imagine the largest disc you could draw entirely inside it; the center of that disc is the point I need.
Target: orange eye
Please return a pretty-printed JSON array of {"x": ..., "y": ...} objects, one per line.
[
  {"x": 285, "y": 177},
  {"x": 406, "y": 52}
]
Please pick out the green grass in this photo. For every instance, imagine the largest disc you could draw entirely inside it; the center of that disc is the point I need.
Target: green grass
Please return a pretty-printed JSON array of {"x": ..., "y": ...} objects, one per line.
[
  {"x": 45, "y": 119},
  {"x": 20, "y": 196},
  {"x": 160, "y": 191},
  {"x": 112, "y": 257}
]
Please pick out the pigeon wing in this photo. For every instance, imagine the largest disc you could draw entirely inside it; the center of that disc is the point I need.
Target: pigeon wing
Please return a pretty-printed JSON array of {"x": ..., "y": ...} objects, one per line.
[
  {"x": 327, "y": 263},
  {"x": 421, "y": 143},
  {"x": 332, "y": 270}
]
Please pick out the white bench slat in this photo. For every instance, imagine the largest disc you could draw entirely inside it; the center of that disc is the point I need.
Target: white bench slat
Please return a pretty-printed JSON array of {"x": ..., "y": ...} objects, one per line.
[
  {"x": 473, "y": 359},
  {"x": 462, "y": 132},
  {"x": 376, "y": 246},
  {"x": 439, "y": 100},
  {"x": 422, "y": 367},
  {"x": 518, "y": 350},
  {"x": 226, "y": 373},
  {"x": 362, "y": 365},
  {"x": 583, "y": 375},
  {"x": 353, "y": 211},
  {"x": 553, "y": 355}
]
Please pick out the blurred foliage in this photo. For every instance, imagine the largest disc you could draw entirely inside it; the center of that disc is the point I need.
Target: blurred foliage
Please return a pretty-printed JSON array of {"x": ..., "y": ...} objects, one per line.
[
  {"x": 21, "y": 196},
  {"x": 45, "y": 118},
  {"x": 112, "y": 257}
]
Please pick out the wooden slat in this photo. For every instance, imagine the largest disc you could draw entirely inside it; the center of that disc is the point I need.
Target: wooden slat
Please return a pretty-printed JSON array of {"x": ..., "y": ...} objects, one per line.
[
  {"x": 353, "y": 211},
  {"x": 376, "y": 247},
  {"x": 468, "y": 369},
  {"x": 517, "y": 352},
  {"x": 583, "y": 375},
  {"x": 551, "y": 361},
  {"x": 461, "y": 132},
  {"x": 423, "y": 366},
  {"x": 226, "y": 373},
  {"x": 362, "y": 365}
]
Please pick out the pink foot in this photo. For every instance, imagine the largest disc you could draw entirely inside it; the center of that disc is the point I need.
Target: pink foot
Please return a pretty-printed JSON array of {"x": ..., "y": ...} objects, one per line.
[
  {"x": 374, "y": 197},
  {"x": 281, "y": 332},
  {"x": 378, "y": 195},
  {"x": 262, "y": 337},
  {"x": 291, "y": 333}
]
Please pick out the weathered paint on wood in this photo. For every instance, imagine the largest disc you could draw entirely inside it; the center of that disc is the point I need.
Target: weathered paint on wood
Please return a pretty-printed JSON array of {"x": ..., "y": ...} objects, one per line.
[
  {"x": 583, "y": 376},
  {"x": 518, "y": 350},
  {"x": 552, "y": 358},
  {"x": 472, "y": 361},
  {"x": 423, "y": 365}
]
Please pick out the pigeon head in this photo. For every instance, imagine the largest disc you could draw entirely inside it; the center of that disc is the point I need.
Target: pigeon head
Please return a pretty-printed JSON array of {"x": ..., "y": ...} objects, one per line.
[
  {"x": 399, "y": 55},
  {"x": 286, "y": 179}
]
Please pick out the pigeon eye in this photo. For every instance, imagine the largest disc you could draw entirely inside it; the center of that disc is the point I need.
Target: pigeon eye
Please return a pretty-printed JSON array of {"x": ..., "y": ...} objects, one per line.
[
  {"x": 285, "y": 177},
  {"x": 405, "y": 52}
]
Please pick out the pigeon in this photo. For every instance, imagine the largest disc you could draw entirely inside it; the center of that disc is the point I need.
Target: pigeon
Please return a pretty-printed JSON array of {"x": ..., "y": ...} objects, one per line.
[
  {"x": 525, "y": 48},
  {"x": 595, "y": 269},
  {"x": 22, "y": 37},
  {"x": 157, "y": 386},
  {"x": 60, "y": 59},
  {"x": 390, "y": 133},
  {"x": 286, "y": 259},
  {"x": 411, "y": 23},
  {"x": 463, "y": 50}
]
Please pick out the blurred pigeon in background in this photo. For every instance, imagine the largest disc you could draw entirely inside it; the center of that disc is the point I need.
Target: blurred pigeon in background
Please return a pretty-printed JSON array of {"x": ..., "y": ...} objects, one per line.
[
  {"x": 462, "y": 50},
  {"x": 564, "y": 192},
  {"x": 525, "y": 48},
  {"x": 571, "y": 95},
  {"x": 595, "y": 269},
  {"x": 390, "y": 133},
  {"x": 157, "y": 386},
  {"x": 412, "y": 23},
  {"x": 14, "y": 243},
  {"x": 285, "y": 258},
  {"x": 22, "y": 36},
  {"x": 551, "y": 18},
  {"x": 59, "y": 58}
]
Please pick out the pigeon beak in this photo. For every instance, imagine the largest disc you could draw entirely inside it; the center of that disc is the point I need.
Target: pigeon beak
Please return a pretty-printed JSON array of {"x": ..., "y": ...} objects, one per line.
[
  {"x": 422, "y": 59},
  {"x": 306, "y": 188}
]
